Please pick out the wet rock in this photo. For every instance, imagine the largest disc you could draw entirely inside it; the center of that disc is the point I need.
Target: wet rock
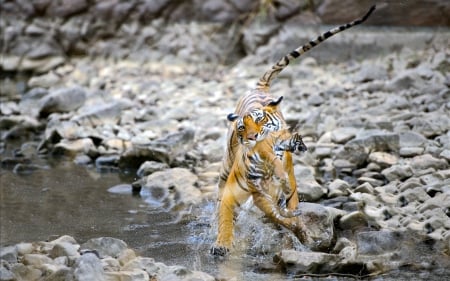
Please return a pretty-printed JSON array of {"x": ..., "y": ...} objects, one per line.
[
  {"x": 72, "y": 148},
  {"x": 26, "y": 169},
  {"x": 82, "y": 159},
  {"x": 295, "y": 262},
  {"x": 172, "y": 188},
  {"x": 378, "y": 242},
  {"x": 105, "y": 246},
  {"x": 62, "y": 100},
  {"x": 149, "y": 167},
  {"x": 9, "y": 254},
  {"x": 107, "y": 161},
  {"x": 6, "y": 274},
  {"x": 135, "y": 275},
  {"x": 121, "y": 189},
  {"x": 319, "y": 226}
]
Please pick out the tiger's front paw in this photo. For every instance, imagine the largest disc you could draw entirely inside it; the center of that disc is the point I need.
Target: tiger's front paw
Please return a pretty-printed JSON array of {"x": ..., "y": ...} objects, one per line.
[{"x": 217, "y": 250}]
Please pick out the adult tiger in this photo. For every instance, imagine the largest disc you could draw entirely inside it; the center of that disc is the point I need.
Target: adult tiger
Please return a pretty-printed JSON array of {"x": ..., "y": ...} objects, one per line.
[{"x": 259, "y": 147}]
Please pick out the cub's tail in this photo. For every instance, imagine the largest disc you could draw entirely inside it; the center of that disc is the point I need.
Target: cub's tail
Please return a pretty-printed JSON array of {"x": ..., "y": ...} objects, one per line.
[{"x": 265, "y": 81}]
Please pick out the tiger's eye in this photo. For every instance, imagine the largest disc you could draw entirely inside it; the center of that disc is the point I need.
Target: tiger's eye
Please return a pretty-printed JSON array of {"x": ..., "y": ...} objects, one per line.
[{"x": 240, "y": 128}]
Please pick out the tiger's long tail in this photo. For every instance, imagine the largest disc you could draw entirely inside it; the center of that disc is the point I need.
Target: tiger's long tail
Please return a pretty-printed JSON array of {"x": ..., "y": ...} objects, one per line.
[{"x": 265, "y": 81}]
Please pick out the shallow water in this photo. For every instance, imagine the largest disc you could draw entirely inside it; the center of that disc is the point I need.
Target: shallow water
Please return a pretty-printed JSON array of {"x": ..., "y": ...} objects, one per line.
[{"x": 68, "y": 199}]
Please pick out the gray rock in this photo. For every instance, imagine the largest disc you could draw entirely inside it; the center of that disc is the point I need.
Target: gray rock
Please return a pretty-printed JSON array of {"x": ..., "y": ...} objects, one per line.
[
  {"x": 365, "y": 188},
  {"x": 410, "y": 151},
  {"x": 427, "y": 161},
  {"x": 319, "y": 226},
  {"x": 353, "y": 221},
  {"x": 171, "y": 188},
  {"x": 343, "y": 135},
  {"x": 378, "y": 242},
  {"x": 9, "y": 254},
  {"x": 23, "y": 272},
  {"x": 135, "y": 275},
  {"x": 36, "y": 260},
  {"x": 308, "y": 187},
  {"x": 105, "y": 246},
  {"x": 75, "y": 147},
  {"x": 64, "y": 249},
  {"x": 89, "y": 267},
  {"x": 6, "y": 274},
  {"x": 370, "y": 72},
  {"x": 121, "y": 189},
  {"x": 166, "y": 150},
  {"x": 102, "y": 113},
  {"x": 357, "y": 150},
  {"x": 397, "y": 172},
  {"x": 338, "y": 187},
  {"x": 295, "y": 262},
  {"x": 149, "y": 167},
  {"x": 62, "y": 100},
  {"x": 383, "y": 159}
]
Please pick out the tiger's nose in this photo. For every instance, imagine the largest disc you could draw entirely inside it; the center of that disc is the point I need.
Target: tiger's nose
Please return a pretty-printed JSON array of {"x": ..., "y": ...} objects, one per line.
[{"x": 252, "y": 136}]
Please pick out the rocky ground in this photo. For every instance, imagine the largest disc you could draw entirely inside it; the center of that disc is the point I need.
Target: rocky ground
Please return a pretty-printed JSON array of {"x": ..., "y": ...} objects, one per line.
[{"x": 377, "y": 167}]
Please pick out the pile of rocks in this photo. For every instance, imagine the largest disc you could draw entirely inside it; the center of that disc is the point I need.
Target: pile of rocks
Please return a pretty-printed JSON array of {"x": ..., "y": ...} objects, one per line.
[{"x": 102, "y": 259}]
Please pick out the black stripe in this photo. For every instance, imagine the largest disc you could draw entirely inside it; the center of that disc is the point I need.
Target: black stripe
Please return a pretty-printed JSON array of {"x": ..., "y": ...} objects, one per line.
[
  {"x": 295, "y": 54},
  {"x": 327, "y": 34}
]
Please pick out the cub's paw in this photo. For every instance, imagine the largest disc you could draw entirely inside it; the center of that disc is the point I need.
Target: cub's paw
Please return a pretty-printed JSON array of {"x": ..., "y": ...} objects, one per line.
[
  {"x": 298, "y": 144},
  {"x": 219, "y": 251}
]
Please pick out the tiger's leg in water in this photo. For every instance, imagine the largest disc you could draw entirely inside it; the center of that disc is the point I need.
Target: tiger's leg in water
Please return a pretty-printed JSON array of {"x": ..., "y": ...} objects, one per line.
[
  {"x": 266, "y": 204},
  {"x": 226, "y": 224}
]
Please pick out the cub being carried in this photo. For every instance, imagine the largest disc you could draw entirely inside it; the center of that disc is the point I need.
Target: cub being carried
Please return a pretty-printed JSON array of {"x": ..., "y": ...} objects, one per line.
[{"x": 259, "y": 149}]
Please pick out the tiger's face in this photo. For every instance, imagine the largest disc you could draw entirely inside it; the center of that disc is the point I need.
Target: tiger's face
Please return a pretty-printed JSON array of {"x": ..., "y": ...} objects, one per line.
[{"x": 255, "y": 125}]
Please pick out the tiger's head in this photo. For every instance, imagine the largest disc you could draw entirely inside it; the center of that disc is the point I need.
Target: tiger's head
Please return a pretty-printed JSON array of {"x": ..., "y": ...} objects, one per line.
[{"x": 256, "y": 124}]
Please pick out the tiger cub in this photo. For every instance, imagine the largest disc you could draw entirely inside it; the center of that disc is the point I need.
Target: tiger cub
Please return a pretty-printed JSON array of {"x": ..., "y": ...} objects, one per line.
[{"x": 259, "y": 151}]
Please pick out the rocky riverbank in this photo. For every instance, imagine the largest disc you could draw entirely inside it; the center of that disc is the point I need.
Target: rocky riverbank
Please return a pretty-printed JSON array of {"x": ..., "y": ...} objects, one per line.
[{"x": 377, "y": 130}]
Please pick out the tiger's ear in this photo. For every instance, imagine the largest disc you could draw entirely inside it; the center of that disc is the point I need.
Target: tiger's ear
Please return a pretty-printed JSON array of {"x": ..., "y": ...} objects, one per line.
[
  {"x": 276, "y": 102},
  {"x": 231, "y": 117}
]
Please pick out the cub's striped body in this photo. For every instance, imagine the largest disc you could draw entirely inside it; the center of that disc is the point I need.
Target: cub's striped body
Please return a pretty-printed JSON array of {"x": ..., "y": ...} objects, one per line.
[{"x": 258, "y": 151}]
